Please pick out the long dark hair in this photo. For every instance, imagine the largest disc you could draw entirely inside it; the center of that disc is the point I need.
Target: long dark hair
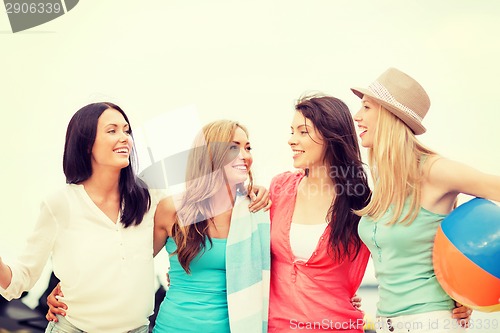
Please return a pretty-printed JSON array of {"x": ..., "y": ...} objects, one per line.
[
  {"x": 332, "y": 119},
  {"x": 77, "y": 165}
]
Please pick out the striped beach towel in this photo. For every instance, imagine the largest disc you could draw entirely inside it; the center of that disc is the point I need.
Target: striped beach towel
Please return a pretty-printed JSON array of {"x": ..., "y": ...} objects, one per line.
[{"x": 248, "y": 269}]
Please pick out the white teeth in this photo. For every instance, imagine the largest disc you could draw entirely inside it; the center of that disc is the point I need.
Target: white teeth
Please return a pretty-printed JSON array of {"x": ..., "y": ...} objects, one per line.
[
  {"x": 240, "y": 167},
  {"x": 297, "y": 152},
  {"x": 121, "y": 150}
]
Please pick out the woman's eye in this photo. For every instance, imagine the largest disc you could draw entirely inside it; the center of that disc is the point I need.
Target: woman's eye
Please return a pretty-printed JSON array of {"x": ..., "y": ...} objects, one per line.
[
  {"x": 304, "y": 132},
  {"x": 111, "y": 131},
  {"x": 248, "y": 148},
  {"x": 233, "y": 147}
]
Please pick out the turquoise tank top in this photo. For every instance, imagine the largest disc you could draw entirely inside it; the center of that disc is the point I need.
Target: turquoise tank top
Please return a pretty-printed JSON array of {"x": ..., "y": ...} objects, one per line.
[
  {"x": 402, "y": 256},
  {"x": 196, "y": 302}
]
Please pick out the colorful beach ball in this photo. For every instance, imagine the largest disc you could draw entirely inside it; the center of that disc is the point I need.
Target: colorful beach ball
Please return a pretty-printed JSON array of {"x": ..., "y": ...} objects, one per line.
[{"x": 467, "y": 255}]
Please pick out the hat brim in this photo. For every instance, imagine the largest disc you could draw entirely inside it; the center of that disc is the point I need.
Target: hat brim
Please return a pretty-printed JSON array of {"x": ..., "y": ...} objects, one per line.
[{"x": 414, "y": 125}]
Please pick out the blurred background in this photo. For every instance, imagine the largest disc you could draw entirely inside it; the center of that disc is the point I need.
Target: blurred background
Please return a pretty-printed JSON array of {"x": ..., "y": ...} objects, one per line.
[{"x": 175, "y": 65}]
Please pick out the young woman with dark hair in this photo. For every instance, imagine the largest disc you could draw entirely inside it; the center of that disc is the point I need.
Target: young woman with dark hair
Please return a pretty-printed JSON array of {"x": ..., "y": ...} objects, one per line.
[
  {"x": 318, "y": 260},
  {"x": 97, "y": 230},
  {"x": 77, "y": 161}
]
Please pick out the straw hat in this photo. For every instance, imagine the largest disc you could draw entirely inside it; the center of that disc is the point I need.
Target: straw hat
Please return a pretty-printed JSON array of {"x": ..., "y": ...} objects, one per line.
[{"x": 400, "y": 94}]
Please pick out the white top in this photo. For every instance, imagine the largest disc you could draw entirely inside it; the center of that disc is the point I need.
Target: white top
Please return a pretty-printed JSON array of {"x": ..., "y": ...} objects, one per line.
[
  {"x": 106, "y": 270},
  {"x": 304, "y": 239}
]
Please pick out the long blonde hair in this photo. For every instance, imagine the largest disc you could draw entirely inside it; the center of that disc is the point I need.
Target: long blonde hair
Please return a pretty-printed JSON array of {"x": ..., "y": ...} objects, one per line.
[
  {"x": 204, "y": 178},
  {"x": 396, "y": 164}
]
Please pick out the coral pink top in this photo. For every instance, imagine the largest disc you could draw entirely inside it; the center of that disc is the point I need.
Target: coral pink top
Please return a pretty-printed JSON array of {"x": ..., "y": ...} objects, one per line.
[{"x": 313, "y": 295}]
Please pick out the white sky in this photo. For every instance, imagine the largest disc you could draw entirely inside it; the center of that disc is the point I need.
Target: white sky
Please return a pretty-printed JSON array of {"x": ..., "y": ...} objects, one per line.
[{"x": 247, "y": 61}]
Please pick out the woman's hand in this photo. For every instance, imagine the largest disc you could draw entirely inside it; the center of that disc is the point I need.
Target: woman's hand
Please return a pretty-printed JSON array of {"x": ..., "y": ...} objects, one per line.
[
  {"x": 56, "y": 307},
  {"x": 5, "y": 275},
  {"x": 356, "y": 301},
  {"x": 462, "y": 314},
  {"x": 259, "y": 196}
]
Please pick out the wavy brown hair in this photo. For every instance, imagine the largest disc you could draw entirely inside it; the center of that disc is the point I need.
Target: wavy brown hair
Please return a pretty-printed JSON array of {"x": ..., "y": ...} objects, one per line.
[{"x": 204, "y": 178}]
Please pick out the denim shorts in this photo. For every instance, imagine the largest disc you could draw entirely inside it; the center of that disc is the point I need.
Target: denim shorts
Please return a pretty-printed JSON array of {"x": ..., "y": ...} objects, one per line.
[{"x": 64, "y": 326}]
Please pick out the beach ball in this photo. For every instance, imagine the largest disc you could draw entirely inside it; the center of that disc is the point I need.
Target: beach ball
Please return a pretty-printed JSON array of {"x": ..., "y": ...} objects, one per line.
[{"x": 466, "y": 255}]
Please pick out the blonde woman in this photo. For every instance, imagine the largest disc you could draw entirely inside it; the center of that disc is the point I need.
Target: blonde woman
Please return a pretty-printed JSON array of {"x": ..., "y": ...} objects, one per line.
[
  {"x": 219, "y": 274},
  {"x": 414, "y": 189}
]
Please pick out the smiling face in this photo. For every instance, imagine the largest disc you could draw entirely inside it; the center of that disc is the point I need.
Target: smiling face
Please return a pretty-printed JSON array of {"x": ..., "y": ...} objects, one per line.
[
  {"x": 367, "y": 118},
  {"x": 237, "y": 170},
  {"x": 306, "y": 143},
  {"x": 113, "y": 142}
]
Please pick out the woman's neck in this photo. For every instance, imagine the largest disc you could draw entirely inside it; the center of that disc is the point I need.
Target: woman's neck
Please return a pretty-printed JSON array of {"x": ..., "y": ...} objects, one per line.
[
  {"x": 318, "y": 181},
  {"x": 103, "y": 183},
  {"x": 319, "y": 175},
  {"x": 223, "y": 200}
]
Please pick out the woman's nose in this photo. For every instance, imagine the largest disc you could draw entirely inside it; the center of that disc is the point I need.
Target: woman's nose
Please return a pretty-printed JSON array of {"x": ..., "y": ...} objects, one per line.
[{"x": 357, "y": 116}]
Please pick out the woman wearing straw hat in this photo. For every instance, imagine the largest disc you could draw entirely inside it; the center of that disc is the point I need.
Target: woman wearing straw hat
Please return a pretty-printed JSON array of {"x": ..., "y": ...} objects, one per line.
[{"x": 414, "y": 189}]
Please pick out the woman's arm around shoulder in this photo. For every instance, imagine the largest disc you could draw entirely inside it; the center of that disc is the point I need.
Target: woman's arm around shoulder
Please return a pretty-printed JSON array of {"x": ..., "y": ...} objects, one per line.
[{"x": 164, "y": 220}]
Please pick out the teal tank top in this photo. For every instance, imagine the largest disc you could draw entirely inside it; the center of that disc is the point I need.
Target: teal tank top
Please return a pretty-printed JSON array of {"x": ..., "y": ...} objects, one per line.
[
  {"x": 402, "y": 256},
  {"x": 196, "y": 302}
]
